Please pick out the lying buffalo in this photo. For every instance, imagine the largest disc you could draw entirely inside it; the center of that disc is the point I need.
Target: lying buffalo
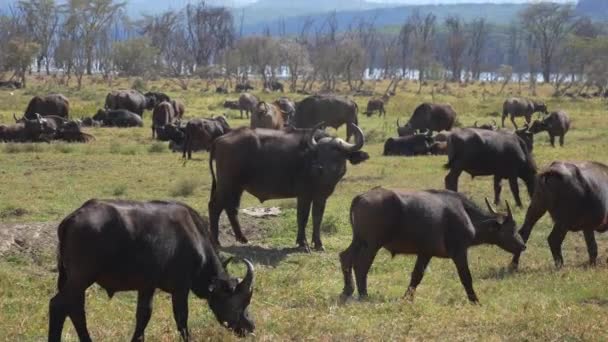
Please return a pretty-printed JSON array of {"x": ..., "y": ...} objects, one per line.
[
  {"x": 11, "y": 85},
  {"x": 144, "y": 246},
  {"x": 274, "y": 86},
  {"x": 556, "y": 124},
  {"x": 576, "y": 197},
  {"x": 232, "y": 104},
  {"x": 247, "y": 103},
  {"x": 118, "y": 118},
  {"x": 268, "y": 116},
  {"x": 131, "y": 100},
  {"x": 489, "y": 126},
  {"x": 273, "y": 164},
  {"x": 411, "y": 145},
  {"x": 516, "y": 107},
  {"x": 481, "y": 152},
  {"x": 162, "y": 115},
  {"x": 54, "y": 104},
  {"x": 429, "y": 116},
  {"x": 32, "y": 130},
  {"x": 201, "y": 133},
  {"x": 432, "y": 223},
  {"x": 333, "y": 111},
  {"x": 241, "y": 87},
  {"x": 90, "y": 122}
]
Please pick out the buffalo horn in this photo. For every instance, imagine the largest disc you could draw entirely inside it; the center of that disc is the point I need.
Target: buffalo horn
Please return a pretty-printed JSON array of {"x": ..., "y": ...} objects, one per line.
[
  {"x": 15, "y": 117},
  {"x": 359, "y": 140},
  {"x": 475, "y": 124},
  {"x": 312, "y": 143},
  {"x": 246, "y": 284},
  {"x": 490, "y": 208},
  {"x": 398, "y": 126}
]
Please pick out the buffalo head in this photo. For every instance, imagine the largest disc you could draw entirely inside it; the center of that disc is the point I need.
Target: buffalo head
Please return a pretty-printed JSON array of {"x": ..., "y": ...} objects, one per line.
[
  {"x": 101, "y": 115},
  {"x": 405, "y": 130},
  {"x": 527, "y": 136},
  {"x": 502, "y": 230},
  {"x": 228, "y": 299},
  {"x": 538, "y": 126},
  {"x": 540, "y": 107},
  {"x": 330, "y": 154}
]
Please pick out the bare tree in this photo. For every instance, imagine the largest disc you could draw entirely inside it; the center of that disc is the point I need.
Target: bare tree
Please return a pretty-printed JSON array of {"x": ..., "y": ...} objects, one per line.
[
  {"x": 423, "y": 33},
  {"x": 548, "y": 24},
  {"x": 295, "y": 57},
  {"x": 478, "y": 34},
  {"x": 41, "y": 19},
  {"x": 456, "y": 44},
  {"x": 404, "y": 42},
  {"x": 209, "y": 31}
]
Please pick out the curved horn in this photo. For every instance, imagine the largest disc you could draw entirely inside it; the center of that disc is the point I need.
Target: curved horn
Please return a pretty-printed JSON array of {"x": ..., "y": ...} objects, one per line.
[
  {"x": 475, "y": 124},
  {"x": 509, "y": 213},
  {"x": 226, "y": 262},
  {"x": 247, "y": 283},
  {"x": 359, "y": 140},
  {"x": 312, "y": 143},
  {"x": 398, "y": 126},
  {"x": 15, "y": 117},
  {"x": 490, "y": 208}
]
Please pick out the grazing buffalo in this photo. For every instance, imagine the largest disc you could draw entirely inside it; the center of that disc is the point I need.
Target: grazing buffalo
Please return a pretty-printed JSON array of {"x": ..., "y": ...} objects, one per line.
[
  {"x": 232, "y": 104},
  {"x": 162, "y": 115},
  {"x": 176, "y": 134},
  {"x": 11, "y": 85},
  {"x": 374, "y": 105},
  {"x": 333, "y": 111},
  {"x": 521, "y": 107},
  {"x": 153, "y": 99},
  {"x": 288, "y": 108},
  {"x": 247, "y": 103},
  {"x": 273, "y": 164},
  {"x": 200, "y": 134},
  {"x": 489, "y": 126},
  {"x": 268, "y": 116},
  {"x": 576, "y": 197},
  {"x": 179, "y": 109},
  {"x": 429, "y": 116},
  {"x": 221, "y": 90},
  {"x": 411, "y": 145},
  {"x": 556, "y": 124},
  {"x": 118, "y": 118},
  {"x": 144, "y": 246},
  {"x": 481, "y": 152},
  {"x": 241, "y": 87},
  {"x": 431, "y": 223},
  {"x": 54, "y": 104},
  {"x": 274, "y": 86},
  {"x": 130, "y": 100}
]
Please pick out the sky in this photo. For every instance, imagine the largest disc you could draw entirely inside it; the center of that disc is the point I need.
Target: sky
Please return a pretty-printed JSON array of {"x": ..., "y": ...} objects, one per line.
[{"x": 408, "y": 2}]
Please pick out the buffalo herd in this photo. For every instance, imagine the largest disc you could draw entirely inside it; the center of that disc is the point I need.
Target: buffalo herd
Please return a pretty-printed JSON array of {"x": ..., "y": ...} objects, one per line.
[{"x": 285, "y": 153}]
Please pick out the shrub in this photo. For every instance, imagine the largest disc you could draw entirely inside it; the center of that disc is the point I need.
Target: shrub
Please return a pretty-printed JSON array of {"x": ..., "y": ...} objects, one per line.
[
  {"x": 157, "y": 147},
  {"x": 184, "y": 188}
]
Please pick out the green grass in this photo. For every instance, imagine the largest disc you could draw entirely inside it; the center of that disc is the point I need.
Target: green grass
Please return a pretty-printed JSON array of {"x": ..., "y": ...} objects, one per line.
[{"x": 297, "y": 295}]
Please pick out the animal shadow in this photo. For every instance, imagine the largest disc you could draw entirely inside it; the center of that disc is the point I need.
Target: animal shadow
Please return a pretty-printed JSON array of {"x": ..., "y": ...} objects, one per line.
[{"x": 262, "y": 255}]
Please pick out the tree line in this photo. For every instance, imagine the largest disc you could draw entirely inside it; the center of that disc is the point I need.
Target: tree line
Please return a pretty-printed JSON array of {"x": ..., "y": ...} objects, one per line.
[{"x": 85, "y": 36}]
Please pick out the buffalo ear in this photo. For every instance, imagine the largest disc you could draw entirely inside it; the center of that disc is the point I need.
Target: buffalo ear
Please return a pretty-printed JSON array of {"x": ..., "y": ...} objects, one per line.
[{"x": 357, "y": 157}]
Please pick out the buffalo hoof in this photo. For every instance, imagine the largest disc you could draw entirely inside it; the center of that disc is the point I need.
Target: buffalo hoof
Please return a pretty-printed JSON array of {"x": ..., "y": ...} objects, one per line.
[
  {"x": 319, "y": 247},
  {"x": 344, "y": 298},
  {"x": 241, "y": 239},
  {"x": 559, "y": 264},
  {"x": 513, "y": 267},
  {"x": 409, "y": 294},
  {"x": 303, "y": 247}
]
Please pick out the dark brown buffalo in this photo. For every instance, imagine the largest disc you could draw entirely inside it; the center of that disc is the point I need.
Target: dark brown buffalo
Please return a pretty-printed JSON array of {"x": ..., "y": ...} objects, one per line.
[
  {"x": 153, "y": 99},
  {"x": 118, "y": 118},
  {"x": 274, "y": 86},
  {"x": 411, "y": 145},
  {"x": 34, "y": 130},
  {"x": 556, "y": 124},
  {"x": 131, "y": 100},
  {"x": 247, "y": 103},
  {"x": 376, "y": 104},
  {"x": 162, "y": 115},
  {"x": 429, "y": 116},
  {"x": 481, "y": 152},
  {"x": 200, "y": 134},
  {"x": 268, "y": 115},
  {"x": 221, "y": 90},
  {"x": 54, "y": 104},
  {"x": 576, "y": 197},
  {"x": 516, "y": 107},
  {"x": 432, "y": 223},
  {"x": 333, "y": 111},
  {"x": 489, "y": 126},
  {"x": 288, "y": 107},
  {"x": 90, "y": 122},
  {"x": 232, "y": 104},
  {"x": 273, "y": 164},
  {"x": 144, "y": 246},
  {"x": 179, "y": 109},
  {"x": 241, "y": 87}
]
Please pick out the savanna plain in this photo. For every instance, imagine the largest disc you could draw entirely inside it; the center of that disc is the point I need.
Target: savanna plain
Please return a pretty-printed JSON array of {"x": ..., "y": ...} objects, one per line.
[{"x": 297, "y": 295}]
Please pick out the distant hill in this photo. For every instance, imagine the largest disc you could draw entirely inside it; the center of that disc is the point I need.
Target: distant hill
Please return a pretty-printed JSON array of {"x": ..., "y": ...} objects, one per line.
[{"x": 597, "y": 9}]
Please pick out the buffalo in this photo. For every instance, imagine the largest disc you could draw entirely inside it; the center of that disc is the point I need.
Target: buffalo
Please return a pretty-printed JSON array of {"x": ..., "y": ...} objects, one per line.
[
  {"x": 54, "y": 104},
  {"x": 232, "y": 104},
  {"x": 333, "y": 111},
  {"x": 429, "y": 116},
  {"x": 90, "y": 122},
  {"x": 70, "y": 132},
  {"x": 273, "y": 164},
  {"x": 241, "y": 87},
  {"x": 35, "y": 130},
  {"x": 516, "y": 107},
  {"x": 131, "y": 100},
  {"x": 274, "y": 86},
  {"x": 179, "y": 109},
  {"x": 268, "y": 116},
  {"x": 144, "y": 246},
  {"x": 11, "y": 84},
  {"x": 489, "y": 126},
  {"x": 576, "y": 197},
  {"x": 481, "y": 152},
  {"x": 411, "y": 145},
  {"x": 247, "y": 103},
  {"x": 288, "y": 107},
  {"x": 439, "y": 148},
  {"x": 374, "y": 105},
  {"x": 431, "y": 223},
  {"x": 200, "y": 133},
  {"x": 118, "y": 118},
  {"x": 556, "y": 124},
  {"x": 153, "y": 99},
  {"x": 221, "y": 90},
  {"x": 162, "y": 115}
]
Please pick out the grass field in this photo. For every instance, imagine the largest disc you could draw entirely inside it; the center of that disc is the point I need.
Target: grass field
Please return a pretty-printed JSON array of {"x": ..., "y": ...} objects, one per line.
[{"x": 297, "y": 295}]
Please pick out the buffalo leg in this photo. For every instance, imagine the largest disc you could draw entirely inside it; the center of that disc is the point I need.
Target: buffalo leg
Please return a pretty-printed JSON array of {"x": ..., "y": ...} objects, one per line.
[
  {"x": 513, "y": 121},
  {"x": 561, "y": 140},
  {"x": 318, "y": 209},
  {"x": 57, "y": 315},
  {"x": 504, "y": 116},
  {"x": 143, "y": 313},
  {"x": 179, "y": 300},
  {"x": 555, "y": 239},
  {"x": 497, "y": 189},
  {"x": 363, "y": 261},
  {"x": 346, "y": 261},
  {"x": 153, "y": 132},
  {"x": 536, "y": 210},
  {"x": 232, "y": 212},
  {"x": 303, "y": 214},
  {"x": 515, "y": 190},
  {"x": 552, "y": 139},
  {"x": 422, "y": 262},
  {"x": 451, "y": 180},
  {"x": 462, "y": 265},
  {"x": 215, "y": 210},
  {"x": 591, "y": 246},
  {"x": 78, "y": 317}
]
